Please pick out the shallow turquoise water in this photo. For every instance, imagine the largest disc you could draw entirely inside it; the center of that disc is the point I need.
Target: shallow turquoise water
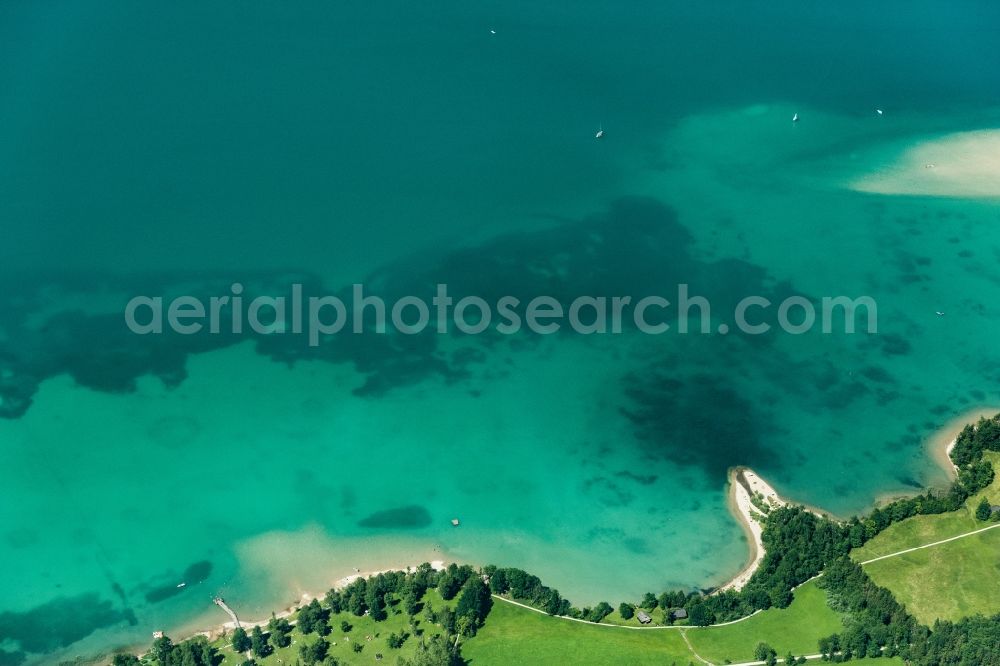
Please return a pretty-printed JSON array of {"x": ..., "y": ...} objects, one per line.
[{"x": 178, "y": 150}]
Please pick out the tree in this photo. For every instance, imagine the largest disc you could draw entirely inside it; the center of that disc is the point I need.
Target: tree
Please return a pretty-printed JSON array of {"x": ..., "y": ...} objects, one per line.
[
  {"x": 307, "y": 620},
  {"x": 375, "y": 601},
  {"x": 396, "y": 641},
  {"x": 627, "y": 611},
  {"x": 600, "y": 611},
  {"x": 356, "y": 603},
  {"x": 258, "y": 644},
  {"x": 161, "y": 649},
  {"x": 410, "y": 603},
  {"x": 435, "y": 652},
  {"x": 767, "y": 654},
  {"x": 125, "y": 660},
  {"x": 240, "y": 641},
  {"x": 335, "y": 600},
  {"x": 464, "y": 626},
  {"x": 983, "y": 511},
  {"x": 280, "y": 631},
  {"x": 446, "y": 618},
  {"x": 649, "y": 601},
  {"x": 700, "y": 615},
  {"x": 345, "y": 626},
  {"x": 315, "y": 652},
  {"x": 474, "y": 603},
  {"x": 498, "y": 581},
  {"x": 449, "y": 584}
]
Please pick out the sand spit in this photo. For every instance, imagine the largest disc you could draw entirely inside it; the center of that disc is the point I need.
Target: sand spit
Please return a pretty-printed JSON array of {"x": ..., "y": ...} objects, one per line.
[{"x": 748, "y": 492}]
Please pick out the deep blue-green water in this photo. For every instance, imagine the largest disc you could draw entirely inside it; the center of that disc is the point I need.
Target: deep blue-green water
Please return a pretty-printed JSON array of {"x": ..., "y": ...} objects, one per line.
[{"x": 175, "y": 149}]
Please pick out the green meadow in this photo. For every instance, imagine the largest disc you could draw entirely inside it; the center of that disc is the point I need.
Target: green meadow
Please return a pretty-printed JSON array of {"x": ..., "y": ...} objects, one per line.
[
  {"x": 795, "y": 629},
  {"x": 921, "y": 530},
  {"x": 947, "y": 581}
]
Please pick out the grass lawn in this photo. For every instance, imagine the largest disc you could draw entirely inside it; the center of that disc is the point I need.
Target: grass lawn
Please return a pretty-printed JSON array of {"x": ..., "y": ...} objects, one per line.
[
  {"x": 797, "y": 628},
  {"x": 950, "y": 581},
  {"x": 514, "y": 635},
  {"x": 361, "y": 627},
  {"x": 920, "y": 530}
]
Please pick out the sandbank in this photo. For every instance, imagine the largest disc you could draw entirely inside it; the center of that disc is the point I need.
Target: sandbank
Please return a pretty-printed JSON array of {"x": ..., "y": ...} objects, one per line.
[{"x": 963, "y": 164}]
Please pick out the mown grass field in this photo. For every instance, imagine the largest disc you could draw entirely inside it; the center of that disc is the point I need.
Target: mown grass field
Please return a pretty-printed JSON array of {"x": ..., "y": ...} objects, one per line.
[
  {"x": 948, "y": 581},
  {"x": 920, "y": 530},
  {"x": 795, "y": 629},
  {"x": 515, "y": 635}
]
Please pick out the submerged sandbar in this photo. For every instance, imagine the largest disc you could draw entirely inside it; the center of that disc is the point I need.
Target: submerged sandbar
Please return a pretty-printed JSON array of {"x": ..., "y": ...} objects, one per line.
[{"x": 963, "y": 164}]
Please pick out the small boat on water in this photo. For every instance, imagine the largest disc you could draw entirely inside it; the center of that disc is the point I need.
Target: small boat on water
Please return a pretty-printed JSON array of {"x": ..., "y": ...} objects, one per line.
[
  {"x": 454, "y": 522},
  {"x": 600, "y": 134},
  {"x": 795, "y": 118},
  {"x": 182, "y": 585}
]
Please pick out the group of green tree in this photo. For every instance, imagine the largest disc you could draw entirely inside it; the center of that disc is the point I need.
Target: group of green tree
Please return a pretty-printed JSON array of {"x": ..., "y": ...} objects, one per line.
[{"x": 192, "y": 652}]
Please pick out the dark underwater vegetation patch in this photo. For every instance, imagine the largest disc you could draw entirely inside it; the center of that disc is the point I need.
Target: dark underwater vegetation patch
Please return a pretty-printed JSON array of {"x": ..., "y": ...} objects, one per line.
[
  {"x": 59, "y": 622},
  {"x": 12, "y": 658},
  {"x": 637, "y": 248},
  {"x": 197, "y": 572},
  {"x": 671, "y": 421},
  {"x": 643, "y": 479},
  {"x": 404, "y": 517},
  {"x": 607, "y": 491},
  {"x": 162, "y": 593}
]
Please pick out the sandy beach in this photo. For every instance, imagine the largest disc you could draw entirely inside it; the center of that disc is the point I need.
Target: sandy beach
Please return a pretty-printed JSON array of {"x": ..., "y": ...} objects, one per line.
[
  {"x": 943, "y": 441},
  {"x": 744, "y": 484},
  {"x": 226, "y": 627}
]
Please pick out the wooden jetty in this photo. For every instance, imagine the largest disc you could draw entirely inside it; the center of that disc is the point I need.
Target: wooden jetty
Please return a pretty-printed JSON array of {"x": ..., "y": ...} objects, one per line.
[{"x": 221, "y": 603}]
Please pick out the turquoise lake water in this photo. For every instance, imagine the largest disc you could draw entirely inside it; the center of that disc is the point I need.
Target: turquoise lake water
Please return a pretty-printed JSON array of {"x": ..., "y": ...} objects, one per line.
[{"x": 166, "y": 150}]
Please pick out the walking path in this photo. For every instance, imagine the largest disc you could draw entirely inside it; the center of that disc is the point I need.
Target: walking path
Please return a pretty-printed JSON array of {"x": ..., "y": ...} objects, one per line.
[
  {"x": 929, "y": 545},
  {"x": 618, "y": 626},
  {"x": 697, "y": 656},
  {"x": 747, "y": 617}
]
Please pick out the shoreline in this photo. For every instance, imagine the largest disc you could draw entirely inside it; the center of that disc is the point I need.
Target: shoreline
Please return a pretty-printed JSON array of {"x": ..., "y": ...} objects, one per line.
[
  {"x": 742, "y": 484},
  {"x": 222, "y": 629},
  {"x": 943, "y": 440},
  {"x": 219, "y": 630}
]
